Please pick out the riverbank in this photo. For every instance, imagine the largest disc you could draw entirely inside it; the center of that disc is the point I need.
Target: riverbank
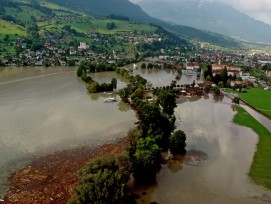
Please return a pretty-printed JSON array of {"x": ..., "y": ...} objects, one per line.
[
  {"x": 52, "y": 178},
  {"x": 261, "y": 166}
]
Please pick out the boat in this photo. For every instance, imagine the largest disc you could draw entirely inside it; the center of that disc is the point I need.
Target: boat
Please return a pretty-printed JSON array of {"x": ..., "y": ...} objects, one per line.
[{"x": 110, "y": 99}]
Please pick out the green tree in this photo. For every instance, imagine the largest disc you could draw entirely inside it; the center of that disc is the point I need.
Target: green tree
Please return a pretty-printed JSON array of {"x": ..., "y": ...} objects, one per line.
[
  {"x": 221, "y": 84},
  {"x": 208, "y": 71},
  {"x": 6, "y": 38},
  {"x": 110, "y": 26},
  {"x": 124, "y": 94},
  {"x": 224, "y": 75},
  {"x": 147, "y": 161},
  {"x": 93, "y": 87},
  {"x": 104, "y": 186},
  {"x": 104, "y": 180},
  {"x": 208, "y": 78},
  {"x": 143, "y": 66},
  {"x": 177, "y": 142},
  {"x": 167, "y": 99},
  {"x": 71, "y": 63},
  {"x": 139, "y": 93},
  {"x": 114, "y": 83},
  {"x": 150, "y": 66}
]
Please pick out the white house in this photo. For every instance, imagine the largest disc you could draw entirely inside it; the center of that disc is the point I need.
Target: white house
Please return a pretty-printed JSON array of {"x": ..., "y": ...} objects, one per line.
[{"x": 83, "y": 46}]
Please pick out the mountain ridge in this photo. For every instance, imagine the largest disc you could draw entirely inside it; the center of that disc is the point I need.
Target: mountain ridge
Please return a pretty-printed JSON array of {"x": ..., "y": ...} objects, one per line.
[
  {"x": 103, "y": 8},
  {"x": 213, "y": 16}
]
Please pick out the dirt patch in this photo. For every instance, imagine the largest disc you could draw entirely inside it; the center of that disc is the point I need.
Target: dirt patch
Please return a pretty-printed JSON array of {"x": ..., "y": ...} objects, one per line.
[{"x": 52, "y": 178}]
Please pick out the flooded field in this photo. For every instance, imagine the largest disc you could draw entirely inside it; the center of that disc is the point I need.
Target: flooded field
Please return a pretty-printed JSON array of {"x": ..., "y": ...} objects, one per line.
[
  {"x": 48, "y": 110},
  {"x": 217, "y": 172}
]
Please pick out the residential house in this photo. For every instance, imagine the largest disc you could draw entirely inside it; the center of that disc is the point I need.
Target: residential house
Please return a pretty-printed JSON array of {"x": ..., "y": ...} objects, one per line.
[
  {"x": 192, "y": 66},
  {"x": 83, "y": 46},
  {"x": 216, "y": 68}
]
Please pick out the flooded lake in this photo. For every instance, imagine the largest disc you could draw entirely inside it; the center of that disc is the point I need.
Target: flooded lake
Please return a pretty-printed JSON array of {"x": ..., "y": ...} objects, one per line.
[{"x": 47, "y": 110}]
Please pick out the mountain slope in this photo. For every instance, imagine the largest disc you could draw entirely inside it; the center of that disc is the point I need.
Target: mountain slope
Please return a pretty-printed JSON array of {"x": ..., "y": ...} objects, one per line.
[
  {"x": 103, "y": 8},
  {"x": 213, "y": 16}
]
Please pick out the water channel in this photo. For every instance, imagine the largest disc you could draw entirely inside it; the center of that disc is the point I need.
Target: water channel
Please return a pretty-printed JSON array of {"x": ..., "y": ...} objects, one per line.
[{"x": 47, "y": 110}]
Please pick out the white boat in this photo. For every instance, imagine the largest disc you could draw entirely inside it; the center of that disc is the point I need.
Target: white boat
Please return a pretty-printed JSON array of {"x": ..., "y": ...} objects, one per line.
[{"x": 110, "y": 99}]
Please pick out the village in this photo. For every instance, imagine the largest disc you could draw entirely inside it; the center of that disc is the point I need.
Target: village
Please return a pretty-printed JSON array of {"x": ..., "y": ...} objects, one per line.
[{"x": 56, "y": 50}]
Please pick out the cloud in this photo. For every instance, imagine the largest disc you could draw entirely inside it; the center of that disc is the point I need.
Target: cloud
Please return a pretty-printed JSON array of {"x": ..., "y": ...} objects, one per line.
[{"x": 259, "y": 9}]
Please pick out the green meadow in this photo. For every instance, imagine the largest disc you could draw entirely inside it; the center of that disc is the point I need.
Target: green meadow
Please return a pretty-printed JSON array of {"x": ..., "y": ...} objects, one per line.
[
  {"x": 260, "y": 99},
  {"x": 260, "y": 171}
]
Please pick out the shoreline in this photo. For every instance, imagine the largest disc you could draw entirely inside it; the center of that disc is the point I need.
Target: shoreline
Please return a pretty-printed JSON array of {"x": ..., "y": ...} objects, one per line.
[
  {"x": 52, "y": 178},
  {"x": 260, "y": 168}
]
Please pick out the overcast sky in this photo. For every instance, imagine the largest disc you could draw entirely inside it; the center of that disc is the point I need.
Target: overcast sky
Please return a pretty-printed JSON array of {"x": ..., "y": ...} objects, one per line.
[{"x": 259, "y": 9}]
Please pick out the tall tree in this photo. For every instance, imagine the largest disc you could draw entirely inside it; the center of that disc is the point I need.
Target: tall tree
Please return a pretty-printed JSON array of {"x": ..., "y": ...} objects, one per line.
[{"x": 167, "y": 99}]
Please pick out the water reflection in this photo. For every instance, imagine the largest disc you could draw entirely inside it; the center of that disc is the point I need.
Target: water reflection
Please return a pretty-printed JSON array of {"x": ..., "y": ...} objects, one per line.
[
  {"x": 219, "y": 157},
  {"x": 174, "y": 165},
  {"x": 123, "y": 107},
  {"x": 163, "y": 77},
  {"x": 47, "y": 110}
]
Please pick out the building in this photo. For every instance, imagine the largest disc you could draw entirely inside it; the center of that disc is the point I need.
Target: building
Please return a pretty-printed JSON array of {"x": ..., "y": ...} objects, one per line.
[
  {"x": 83, "y": 46},
  {"x": 193, "y": 66},
  {"x": 233, "y": 71}
]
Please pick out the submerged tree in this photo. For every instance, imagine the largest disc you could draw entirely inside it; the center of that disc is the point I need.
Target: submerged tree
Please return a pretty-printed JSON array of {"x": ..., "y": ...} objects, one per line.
[
  {"x": 147, "y": 160},
  {"x": 177, "y": 142}
]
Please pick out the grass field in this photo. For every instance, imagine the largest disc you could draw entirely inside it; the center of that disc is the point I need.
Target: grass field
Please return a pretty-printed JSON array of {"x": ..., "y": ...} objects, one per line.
[
  {"x": 259, "y": 99},
  {"x": 23, "y": 14},
  {"x": 10, "y": 29},
  {"x": 260, "y": 171},
  {"x": 87, "y": 25},
  {"x": 7, "y": 28}
]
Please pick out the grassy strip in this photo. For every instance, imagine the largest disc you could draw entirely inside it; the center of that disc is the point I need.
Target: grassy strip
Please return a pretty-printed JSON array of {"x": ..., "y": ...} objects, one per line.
[
  {"x": 261, "y": 166},
  {"x": 257, "y": 98}
]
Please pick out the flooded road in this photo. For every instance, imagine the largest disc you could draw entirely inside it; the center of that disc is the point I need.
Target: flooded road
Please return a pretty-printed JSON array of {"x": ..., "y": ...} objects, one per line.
[
  {"x": 222, "y": 177},
  {"x": 48, "y": 110}
]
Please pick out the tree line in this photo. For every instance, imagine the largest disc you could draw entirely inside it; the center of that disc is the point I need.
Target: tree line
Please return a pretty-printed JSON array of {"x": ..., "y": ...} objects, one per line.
[
  {"x": 104, "y": 180},
  {"x": 86, "y": 67}
]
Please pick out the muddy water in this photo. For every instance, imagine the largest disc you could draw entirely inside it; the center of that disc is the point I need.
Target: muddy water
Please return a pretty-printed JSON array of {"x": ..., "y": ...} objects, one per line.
[
  {"x": 47, "y": 110},
  {"x": 221, "y": 176},
  {"x": 164, "y": 77}
]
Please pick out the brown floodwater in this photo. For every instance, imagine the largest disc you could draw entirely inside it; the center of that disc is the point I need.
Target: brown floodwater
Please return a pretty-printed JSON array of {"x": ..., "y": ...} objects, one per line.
[
  {"x": 47, "y": 110},
  {"x": 163, "y": 77},
  {"x": 217, "y": 170}
]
